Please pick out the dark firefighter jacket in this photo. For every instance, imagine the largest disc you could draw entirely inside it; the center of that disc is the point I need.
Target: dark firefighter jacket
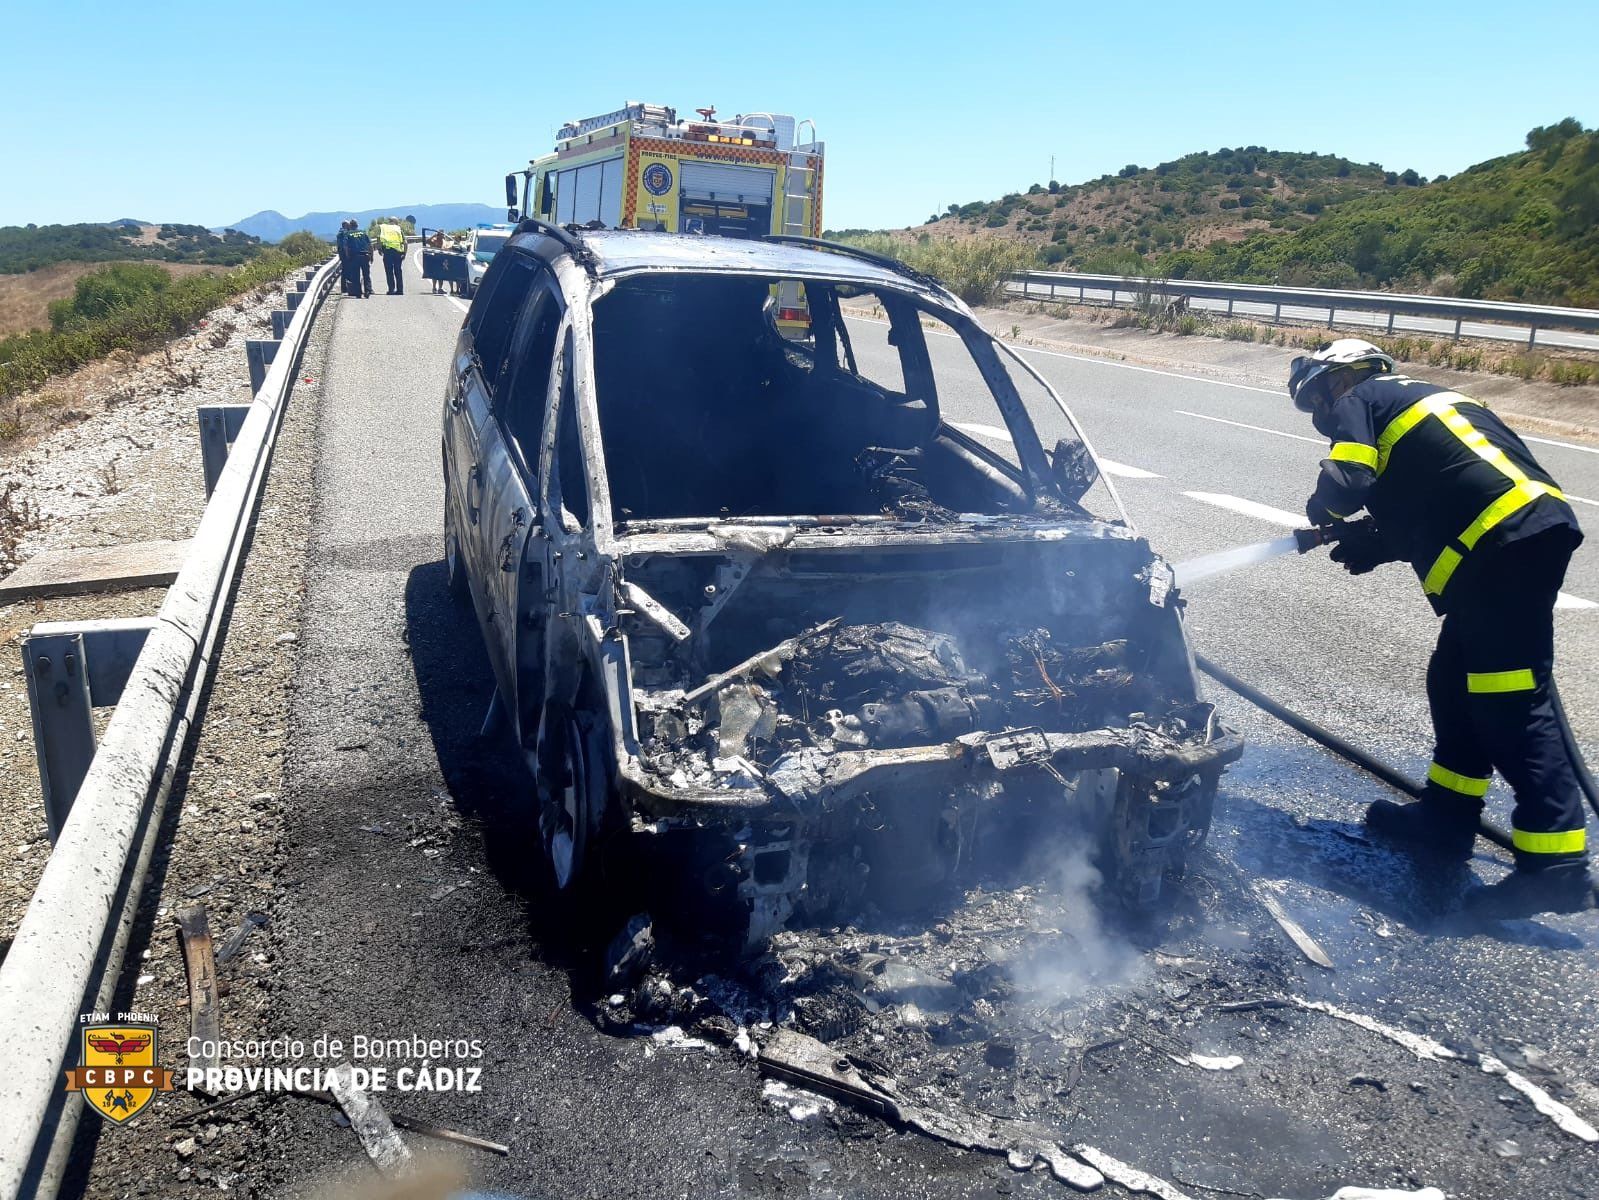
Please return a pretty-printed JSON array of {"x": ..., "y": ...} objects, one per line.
[{"x": 1441, "y": 474}]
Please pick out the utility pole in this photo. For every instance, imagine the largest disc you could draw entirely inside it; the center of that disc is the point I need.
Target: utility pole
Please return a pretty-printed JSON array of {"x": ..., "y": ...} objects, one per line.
[{"x": 1051, "y": 178}]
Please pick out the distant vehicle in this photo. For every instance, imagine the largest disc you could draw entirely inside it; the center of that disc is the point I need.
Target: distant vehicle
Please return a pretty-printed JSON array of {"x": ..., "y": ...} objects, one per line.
[
  {"x": 482, "y": 244},
  {"x": 639, "y": 167},
  {"x": 767, "y": 603}
]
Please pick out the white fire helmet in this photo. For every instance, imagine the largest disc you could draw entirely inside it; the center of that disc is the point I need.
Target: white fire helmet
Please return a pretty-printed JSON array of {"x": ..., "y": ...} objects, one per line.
[{"x": 1335, "y": 356}]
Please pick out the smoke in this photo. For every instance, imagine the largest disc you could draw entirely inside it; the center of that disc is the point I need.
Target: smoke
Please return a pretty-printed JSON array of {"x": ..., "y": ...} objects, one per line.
[{"x": 1073, "y": 951}]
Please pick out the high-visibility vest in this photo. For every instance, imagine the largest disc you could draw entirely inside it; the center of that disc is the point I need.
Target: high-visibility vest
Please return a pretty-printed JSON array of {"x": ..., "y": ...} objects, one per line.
[{"x": 391, "y": 237}]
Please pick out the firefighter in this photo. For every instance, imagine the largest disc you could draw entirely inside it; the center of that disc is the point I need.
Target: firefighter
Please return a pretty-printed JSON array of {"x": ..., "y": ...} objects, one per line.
[
  {"x": 391, "y": 241},
  {"x": 360, "y": 246},
  {"x": 1451, "y": 489}
]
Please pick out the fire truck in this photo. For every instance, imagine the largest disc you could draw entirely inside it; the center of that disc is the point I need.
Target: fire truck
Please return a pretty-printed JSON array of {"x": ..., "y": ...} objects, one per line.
[{"x": 640, "y": 167}]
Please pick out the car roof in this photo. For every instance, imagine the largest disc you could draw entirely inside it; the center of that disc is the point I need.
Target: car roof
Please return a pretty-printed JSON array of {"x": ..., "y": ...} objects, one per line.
[{"x": 623, "y": 251}]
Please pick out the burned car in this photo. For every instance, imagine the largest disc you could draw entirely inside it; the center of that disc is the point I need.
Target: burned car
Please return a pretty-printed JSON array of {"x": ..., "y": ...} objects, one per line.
[{"x": 822, "y": 613}]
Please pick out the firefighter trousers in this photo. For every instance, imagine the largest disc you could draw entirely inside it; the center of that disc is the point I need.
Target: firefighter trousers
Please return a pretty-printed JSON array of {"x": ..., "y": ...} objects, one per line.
[{"x": 1489, "y": 689}]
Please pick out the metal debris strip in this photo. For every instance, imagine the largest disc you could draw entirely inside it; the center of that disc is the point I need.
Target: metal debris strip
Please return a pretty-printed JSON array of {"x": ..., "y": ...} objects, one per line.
[
  {"x": 1430, "y": 1050},
  {"x": 1129, "y": 1177},
  {"x": 371, "y": 1124},
  {"x": 768, "y": 661},
  {"x": 235, "y": 941},
  {"x": 1308, "y": 945},
  {"x": 806, "y": 1062},
  {"x": 205, "y": 1019}
]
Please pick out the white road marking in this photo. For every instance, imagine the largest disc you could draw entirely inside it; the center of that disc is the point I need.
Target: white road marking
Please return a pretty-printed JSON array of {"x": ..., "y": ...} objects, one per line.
[
  {"x": 1298, "y": 437},
  {"x": 987, "y": 431},
  {"x": 1568, "y": 601},
  {"x": 1123, "y": 471},
  {"x": 1109, "y": 466},
  {"x": 1562, "y": 445},
  {"x": 1103, "y": 362},
  {"x": 1251, "y": 508},
  {"x": 459, "y": 303},
  {"x": 1581, "y": 500},
  {"x": 1202, "y": 379}
]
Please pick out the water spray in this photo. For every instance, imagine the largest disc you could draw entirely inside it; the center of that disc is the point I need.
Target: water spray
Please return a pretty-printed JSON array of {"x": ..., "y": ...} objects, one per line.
[{"x": 1301, "y": 541}]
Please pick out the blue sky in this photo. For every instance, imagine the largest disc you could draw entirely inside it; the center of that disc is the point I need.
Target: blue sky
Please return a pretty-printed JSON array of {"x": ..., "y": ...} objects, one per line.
[{"x": 209, "y": 112}]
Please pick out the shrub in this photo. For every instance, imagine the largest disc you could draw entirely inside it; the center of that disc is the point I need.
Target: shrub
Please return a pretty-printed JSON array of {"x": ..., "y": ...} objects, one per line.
[
  {"x": 1238, "y": 331},
  {"x": 135, "y": 313},
  {"x": 1569, "y": 372}
]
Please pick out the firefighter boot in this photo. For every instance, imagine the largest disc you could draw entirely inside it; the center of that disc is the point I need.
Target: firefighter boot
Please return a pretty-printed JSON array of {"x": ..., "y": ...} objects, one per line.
[
  {"x": 1563, "y": 887},
  {"x": 1443, "y": 830}
]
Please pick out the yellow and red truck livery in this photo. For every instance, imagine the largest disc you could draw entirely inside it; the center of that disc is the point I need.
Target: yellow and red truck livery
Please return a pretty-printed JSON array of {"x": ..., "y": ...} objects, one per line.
[{"x": 640, "y": 167}]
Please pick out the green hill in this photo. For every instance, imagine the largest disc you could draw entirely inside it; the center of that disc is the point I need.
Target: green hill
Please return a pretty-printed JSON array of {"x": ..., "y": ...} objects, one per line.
[
  {"x": 1521, "y": 227},
  {"x": 26, "y": 248}
]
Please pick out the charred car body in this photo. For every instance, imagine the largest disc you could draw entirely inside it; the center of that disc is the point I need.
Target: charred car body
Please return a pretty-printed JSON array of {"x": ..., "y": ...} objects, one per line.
[{"x": 770, "y": 603}]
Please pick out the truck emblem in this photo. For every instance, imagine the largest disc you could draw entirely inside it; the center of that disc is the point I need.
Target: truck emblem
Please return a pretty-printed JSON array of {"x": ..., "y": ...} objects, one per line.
[{"x": 657, "y": 179}]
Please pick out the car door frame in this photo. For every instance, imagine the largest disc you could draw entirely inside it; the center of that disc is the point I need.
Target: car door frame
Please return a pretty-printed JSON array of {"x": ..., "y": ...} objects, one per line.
[{"x": 519, "y": 565}]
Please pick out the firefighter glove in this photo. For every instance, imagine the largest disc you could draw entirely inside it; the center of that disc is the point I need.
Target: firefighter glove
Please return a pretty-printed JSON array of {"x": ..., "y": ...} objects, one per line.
[{"x": 1360, "y": 547}]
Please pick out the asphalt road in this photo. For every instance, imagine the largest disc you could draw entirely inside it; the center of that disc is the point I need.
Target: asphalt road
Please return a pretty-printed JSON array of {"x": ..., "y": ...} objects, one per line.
[
  {"x": 417, "y": 914},
  {"x": 1403, "y": 323}
]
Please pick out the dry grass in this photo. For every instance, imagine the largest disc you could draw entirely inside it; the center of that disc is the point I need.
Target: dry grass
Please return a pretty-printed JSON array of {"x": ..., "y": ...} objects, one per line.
[{"x": 25, "y": 299}]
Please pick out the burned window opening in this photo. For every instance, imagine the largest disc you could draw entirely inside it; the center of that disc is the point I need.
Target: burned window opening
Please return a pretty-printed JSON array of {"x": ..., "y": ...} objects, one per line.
[{"x": 711, "y": 412}]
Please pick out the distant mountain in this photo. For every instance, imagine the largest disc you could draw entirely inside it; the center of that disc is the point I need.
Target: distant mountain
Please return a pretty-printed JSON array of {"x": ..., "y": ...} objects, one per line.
[{"x": 272, "y": 226}]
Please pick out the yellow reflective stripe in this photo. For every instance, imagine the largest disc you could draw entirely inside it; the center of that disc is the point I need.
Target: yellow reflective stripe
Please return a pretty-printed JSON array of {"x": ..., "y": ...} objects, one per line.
[
  {"x": 1403, "y": 424},
  {"x": 1519, "y": 496},
  {"x": 1569, "y": 841},
  {"x": 1437, "y": 577},
  {"x": 1354, "y": 452},
  {"x": 1466, "y": 785},
  {"x": 1442, "y": 406},
  {"x": 1501, "y": 681},
  {"x": 1480, "y": 445},
  {"x": 1523, "y": 494}
]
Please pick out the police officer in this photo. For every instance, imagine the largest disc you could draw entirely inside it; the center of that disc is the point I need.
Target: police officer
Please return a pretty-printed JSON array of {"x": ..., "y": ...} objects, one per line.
[
  {"x": 1451, "y": 489},
  {"x": 391, "y": 241},
  {"x": 360, "y": 247},
  {"x": 342, "y": 242}
]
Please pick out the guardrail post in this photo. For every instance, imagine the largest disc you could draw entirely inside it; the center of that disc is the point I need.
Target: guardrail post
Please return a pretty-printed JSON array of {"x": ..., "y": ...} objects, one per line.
[
  {"x": 1229, "y": 306},
  {"x": 1082, "y": 293},
  {"x": 1532, "y": 337},
  {"x": 1457, "y": 327},
  {"x": 219, "y": 427},
  {"x": 292, "y": 299},
  {"x": 1391, "y": 316},
  {"x": 1277, "y": 316},
  {"x": 280, "y": 322},
  {"x": 63, "y": 720},
  {"x": 1332, "y": 314},
  {"x": 260, "y": 352},
  {"x": 301, "y": 285}
]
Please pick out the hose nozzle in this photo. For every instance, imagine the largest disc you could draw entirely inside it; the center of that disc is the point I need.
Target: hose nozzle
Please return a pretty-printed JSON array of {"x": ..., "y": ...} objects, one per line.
[{"x": 1317, "y": 535}]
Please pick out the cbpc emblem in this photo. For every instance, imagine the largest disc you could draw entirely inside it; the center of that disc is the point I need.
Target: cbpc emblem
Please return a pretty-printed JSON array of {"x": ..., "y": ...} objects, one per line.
[
  {"x": 657, "y": 179},
  {"x": 119, "y": 1076}
]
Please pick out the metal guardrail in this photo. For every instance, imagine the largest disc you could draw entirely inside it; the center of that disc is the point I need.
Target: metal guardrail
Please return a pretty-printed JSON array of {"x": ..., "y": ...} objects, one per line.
[
  {"x": 1532, "y": 317},
  {"x": 66, "y": 956}
]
